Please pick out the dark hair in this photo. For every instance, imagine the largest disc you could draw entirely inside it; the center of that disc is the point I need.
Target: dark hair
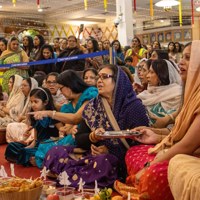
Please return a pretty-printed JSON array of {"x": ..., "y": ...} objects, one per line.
[
  {"x": 174, "y": 50},
  {"x": 30, "y": 44},
  {"x": 113, "y": 68},
  {"x": 50, "y": 48},
  {"x": 4, "y": 41},
  {"x": 120, "y": 48},
  {"x": 41, "y": 39},
  {"x": 1, "y": 94},
  {"x": 56, "y": 38},
  {"x": 44, "y": 96},
  {"x": 128, "y": 73},
  {"x": 179, "y": 47},
  {"x": 72, "y": 80},
  {"x": 13, "y": 78},
  {"x": 71, "y": 36},
  {"x": 159, "y": 46},
  {"x": 160, "y": 67},
  {"x": 187, "y": 45},
  {"x": 94, "y": 71},
  {"x": 53, "y": 74},
  {"x": 14, "y": 39},
  {"x": 148, "y": 63},
  {"x": 28, "y": 80},
  {"x": 162, "y": 54},
  {"x": 39, "y": 76},
  {"x": 140, "y": 45},
  {"x": 129, "y": 59},
  {"x": 95, "y": 44}
]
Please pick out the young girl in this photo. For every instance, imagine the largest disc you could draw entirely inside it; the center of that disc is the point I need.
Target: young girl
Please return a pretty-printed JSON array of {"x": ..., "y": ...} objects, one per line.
[{"x": 43, "y": 129}]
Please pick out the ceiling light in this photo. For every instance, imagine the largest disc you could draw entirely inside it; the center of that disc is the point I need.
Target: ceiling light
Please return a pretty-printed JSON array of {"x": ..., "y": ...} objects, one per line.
[
  {"x": 167, "y": 4},
  {"x": 1, "y": 6},
  {"x": 198, "y": 9},
  {"x": 40, "y": 10}
]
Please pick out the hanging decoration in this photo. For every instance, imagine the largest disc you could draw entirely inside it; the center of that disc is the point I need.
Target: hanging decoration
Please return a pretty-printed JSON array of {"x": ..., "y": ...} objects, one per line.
[
  {"x": 134, "y": 5},
  {"x": 151, "y": 9},
  {"x": 38, "y": 4},
  {"x": 192, "y": 6},
  {"x": 85, "y": 4},
  {"x": 14, "y": 3},
  {"x": 105, "y": 2},
  {"x": 180, "y": 13}
]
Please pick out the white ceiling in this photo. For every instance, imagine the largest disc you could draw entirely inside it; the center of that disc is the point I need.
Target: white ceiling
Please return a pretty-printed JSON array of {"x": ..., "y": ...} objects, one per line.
[{"x": 63, "y": 11}]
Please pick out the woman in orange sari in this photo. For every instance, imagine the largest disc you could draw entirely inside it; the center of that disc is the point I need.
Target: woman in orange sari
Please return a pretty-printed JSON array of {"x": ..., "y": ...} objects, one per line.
[{"x": 147, "y": 167}]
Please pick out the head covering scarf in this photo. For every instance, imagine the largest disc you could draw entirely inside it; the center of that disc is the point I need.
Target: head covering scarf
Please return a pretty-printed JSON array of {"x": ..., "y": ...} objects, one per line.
[
  {"x": 191, "y": 105},
  {"x": 12, "y": 56},
  {"x": 126, "y": 107},
  {"x": 169, "y": 96},
  {"x": 27, "y": 106},
  {"x": 9, "y": 50}
]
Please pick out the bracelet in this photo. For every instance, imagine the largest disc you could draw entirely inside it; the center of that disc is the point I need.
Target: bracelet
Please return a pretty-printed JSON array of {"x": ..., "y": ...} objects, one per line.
[
  {"x": 53, "y": 114},
  {"x": 92, "y": 138}
]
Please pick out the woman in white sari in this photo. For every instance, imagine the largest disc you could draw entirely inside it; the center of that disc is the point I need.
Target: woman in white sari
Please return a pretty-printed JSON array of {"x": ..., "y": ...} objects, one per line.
[
  {"x": 15, "y": 130},
  {"x": 164, "y": 93},
  {"x": 15, "y": 103}
]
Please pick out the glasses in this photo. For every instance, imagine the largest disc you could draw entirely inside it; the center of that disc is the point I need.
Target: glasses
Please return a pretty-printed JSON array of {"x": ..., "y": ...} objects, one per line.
[
  {"x": 51, "y": 83},
  {"x": 104, "y": 76}
]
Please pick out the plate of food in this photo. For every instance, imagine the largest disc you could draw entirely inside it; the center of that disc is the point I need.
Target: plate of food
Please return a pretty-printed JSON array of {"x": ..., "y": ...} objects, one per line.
[{"x": 119, "y": 134}]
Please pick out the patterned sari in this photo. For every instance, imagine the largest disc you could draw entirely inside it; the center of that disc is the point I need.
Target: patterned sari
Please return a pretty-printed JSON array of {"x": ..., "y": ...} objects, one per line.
[
  {"x": 105, "y": 168},
  {"x": 153, "y": 183},
  {"x": 9, "y": 57}
]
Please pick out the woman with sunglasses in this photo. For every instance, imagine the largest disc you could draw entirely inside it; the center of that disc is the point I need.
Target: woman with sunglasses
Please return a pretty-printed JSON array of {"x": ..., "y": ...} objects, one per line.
[{"x": 103, "y": 160}]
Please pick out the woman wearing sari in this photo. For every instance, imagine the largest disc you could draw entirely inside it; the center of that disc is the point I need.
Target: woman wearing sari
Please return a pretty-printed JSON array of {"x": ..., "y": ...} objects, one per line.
[
  {"x": 13, "y": 54},
  {"x": 163, "y": 94},
  {"x": 78, "y": 93},
  {"x": 15, "y": 103},
  {"x": 15, "y": 131},
  {"x": 184, "y": 182},
  {"x": 116, "y": 107},
  {"x": 149, "y": 173}
]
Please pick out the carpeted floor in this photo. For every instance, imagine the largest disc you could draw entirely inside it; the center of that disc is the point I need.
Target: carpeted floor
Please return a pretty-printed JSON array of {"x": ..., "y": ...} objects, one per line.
[{"x": 20, "y": 171}]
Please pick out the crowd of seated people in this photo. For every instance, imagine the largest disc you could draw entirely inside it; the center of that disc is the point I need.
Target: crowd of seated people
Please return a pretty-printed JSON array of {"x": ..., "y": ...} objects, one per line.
[{"x": 56, "y": 114}]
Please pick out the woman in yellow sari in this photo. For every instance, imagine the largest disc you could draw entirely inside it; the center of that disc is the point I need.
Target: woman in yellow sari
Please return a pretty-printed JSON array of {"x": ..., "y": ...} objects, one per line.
[{"x": 13, "y": 54}]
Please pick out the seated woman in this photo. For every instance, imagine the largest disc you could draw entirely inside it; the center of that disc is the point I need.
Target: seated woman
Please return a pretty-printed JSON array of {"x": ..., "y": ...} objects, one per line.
[
  {"x": 13, "y": 54},
  {"x": 116, "y": 107},
  {"x": 90, "y": 76},
  {"x": 78, "y": 93},
  {"x": 184, "y": 182},
  {"x": 43, "y": 129},
  {"x": 163, "y": 95},
  {"x": 52, "y": 84},
  {"x": 15, "y": 104},
  {"x": 149, "y": 173},
  {"x": 15, "y": 130}
]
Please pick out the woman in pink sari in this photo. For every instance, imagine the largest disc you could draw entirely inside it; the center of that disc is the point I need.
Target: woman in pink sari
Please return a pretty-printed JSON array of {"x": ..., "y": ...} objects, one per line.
[{"x": 147, "y": 167}]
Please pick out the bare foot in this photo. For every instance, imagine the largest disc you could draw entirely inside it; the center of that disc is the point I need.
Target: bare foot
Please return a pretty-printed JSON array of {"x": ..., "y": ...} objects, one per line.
[{"x": 32, "y": 161}]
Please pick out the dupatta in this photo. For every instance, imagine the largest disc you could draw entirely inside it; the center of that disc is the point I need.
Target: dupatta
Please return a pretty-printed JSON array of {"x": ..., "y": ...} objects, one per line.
[{"x": 191, "y": 105}]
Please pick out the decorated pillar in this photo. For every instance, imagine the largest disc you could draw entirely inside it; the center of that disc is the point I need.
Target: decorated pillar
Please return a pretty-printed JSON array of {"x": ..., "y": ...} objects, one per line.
[{"x": 124, "y": 21}]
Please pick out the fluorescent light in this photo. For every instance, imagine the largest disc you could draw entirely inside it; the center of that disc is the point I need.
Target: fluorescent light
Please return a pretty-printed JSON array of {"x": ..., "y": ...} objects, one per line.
[
  {"x": 198, "y": 9},
  {"x": 167, "y": 3},
  {"x": 40, "y": 10}
]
